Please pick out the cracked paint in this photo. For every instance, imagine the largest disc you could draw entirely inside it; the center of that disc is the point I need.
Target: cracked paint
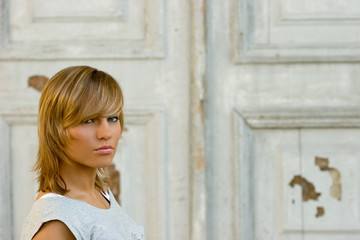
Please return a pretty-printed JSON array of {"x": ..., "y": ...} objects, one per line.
[
  {"x": 308, "y": 189},
  {"x": 335, "y": 189},
  {"x": 320, "y": 212}
]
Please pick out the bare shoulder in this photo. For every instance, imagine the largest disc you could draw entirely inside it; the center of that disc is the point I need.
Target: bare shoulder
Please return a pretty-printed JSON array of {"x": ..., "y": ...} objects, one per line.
[
  {"x": 41, "y": 193},
  {"x": 55, "y": 230}
]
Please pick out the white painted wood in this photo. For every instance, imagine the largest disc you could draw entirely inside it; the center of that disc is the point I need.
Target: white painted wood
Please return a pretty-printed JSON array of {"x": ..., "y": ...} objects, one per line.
[
  {"x": 295, "y": 106},
  {"x": 65, "y": 30},
  {"x": 6, "y": 216},
  {"x": 295, "y": 31},
  {"x": 142, "y": 44},
  {"x": 300, "y": 117},
  {"x": 341, "y": 148},
  {"x": 244, "y": 214},
  {"x": 226, "y": 102},
  {"x": 141, "y": 161},
  {"x": 23, "y": 157},
  {"x": 197, "y": 115},
  {"x": 276, "y": 156}
]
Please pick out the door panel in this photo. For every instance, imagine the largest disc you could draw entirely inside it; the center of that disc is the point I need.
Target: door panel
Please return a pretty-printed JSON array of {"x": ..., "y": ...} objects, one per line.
[
  {"x": 58, "y": 30},
  {"x": 331, "y": 159},
  {"x": 295, "y": 183}
]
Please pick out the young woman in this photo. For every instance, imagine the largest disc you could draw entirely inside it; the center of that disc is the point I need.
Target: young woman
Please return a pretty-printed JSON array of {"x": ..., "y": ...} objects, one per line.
[{"x": 80, "y": 123}]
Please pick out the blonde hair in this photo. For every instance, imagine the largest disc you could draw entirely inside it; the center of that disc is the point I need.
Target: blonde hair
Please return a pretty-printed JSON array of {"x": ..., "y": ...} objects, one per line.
[{"x": 70, "y": 97}]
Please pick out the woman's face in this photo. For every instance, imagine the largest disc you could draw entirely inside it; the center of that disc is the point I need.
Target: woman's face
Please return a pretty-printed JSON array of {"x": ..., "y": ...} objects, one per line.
[{"x": 94, "y": 142}]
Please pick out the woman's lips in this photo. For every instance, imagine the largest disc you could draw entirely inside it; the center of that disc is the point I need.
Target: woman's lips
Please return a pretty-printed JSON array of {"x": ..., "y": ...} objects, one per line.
[{"x": 106, "y": 149}]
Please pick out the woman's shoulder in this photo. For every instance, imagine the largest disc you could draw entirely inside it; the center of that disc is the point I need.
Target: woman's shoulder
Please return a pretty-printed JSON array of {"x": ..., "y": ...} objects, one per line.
[
  {"x": 56, "y": 230},
  {"x": 47, "y": 208},
  {"x": 47, "y": 204}
]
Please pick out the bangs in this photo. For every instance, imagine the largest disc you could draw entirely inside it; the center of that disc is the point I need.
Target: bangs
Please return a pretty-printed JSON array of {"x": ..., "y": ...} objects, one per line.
[
  {"x": 102, "y": 102},
  {"x": 99, "y": 95}
]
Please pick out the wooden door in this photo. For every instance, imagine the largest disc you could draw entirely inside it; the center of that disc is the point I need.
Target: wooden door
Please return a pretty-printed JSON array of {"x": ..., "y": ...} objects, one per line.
[
  {"x": 144, "y": 45},
  {"x": 283, "y": 120},
  {"x": 241, "y": 115}
]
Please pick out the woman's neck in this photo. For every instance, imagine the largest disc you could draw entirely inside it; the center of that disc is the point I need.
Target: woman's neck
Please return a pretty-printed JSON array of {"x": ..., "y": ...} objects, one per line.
[{"x": 78, "y": 178}]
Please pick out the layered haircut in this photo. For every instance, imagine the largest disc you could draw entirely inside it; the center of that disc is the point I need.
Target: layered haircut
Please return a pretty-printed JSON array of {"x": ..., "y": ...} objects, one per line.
[{"x": 70, "y": 97}]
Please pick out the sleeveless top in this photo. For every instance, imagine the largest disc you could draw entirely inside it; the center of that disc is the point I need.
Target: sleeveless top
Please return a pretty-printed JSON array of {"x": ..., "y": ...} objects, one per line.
[{"x": 85, "y": 221}]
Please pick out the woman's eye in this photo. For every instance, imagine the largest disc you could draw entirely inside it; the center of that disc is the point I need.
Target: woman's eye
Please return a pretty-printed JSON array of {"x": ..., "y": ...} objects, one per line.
[
  {"x": 113, "y": 119},
  {"x": 89, "y": 121}
]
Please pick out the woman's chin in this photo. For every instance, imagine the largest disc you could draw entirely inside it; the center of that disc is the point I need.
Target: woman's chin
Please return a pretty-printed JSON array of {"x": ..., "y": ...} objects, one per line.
[{"x": 104, "y": 164}]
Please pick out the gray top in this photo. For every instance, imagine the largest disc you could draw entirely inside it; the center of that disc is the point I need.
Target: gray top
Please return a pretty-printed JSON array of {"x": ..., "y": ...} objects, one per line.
[{"x": 85, "y": 221}]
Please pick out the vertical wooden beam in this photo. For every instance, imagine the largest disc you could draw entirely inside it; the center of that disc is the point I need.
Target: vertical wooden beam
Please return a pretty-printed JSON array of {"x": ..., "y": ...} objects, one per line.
[
  {"x": 6, "y": 218},
  {"x": 197, "y": 120}
]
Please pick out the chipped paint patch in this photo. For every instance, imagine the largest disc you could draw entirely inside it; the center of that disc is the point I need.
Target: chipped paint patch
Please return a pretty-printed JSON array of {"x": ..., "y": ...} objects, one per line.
[
  {"x": 320, "y": 212},
  {"x": 38, "y": 82},
  {"x": 308, "y": 189},
  {"x": 335, "y": 189}
]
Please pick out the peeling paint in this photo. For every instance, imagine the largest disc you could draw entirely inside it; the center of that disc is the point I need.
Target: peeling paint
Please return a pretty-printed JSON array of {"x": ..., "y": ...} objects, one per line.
[
  {"x": 320, "y": 212},
  {"x": 198, "y": 80},
  {"x": 335, "y": 189},
  {"x": 38, "y": 82},
  {"x": 308, "y": 189}
]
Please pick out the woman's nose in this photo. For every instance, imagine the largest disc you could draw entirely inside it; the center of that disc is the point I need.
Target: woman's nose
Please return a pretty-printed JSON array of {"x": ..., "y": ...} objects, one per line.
[{"x": 103, "y": 129}]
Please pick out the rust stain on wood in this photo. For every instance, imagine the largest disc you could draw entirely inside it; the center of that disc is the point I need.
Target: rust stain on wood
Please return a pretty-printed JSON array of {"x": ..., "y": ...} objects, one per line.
[
  {"x": 335, "y": 189},
  {"x": 320, "y": 212},
  {"x": 38, "y": 82},
  {"x": 200, "y": 164},
  {"x": 114, "y": 184},
  {"x": 308, "y": 189}
]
